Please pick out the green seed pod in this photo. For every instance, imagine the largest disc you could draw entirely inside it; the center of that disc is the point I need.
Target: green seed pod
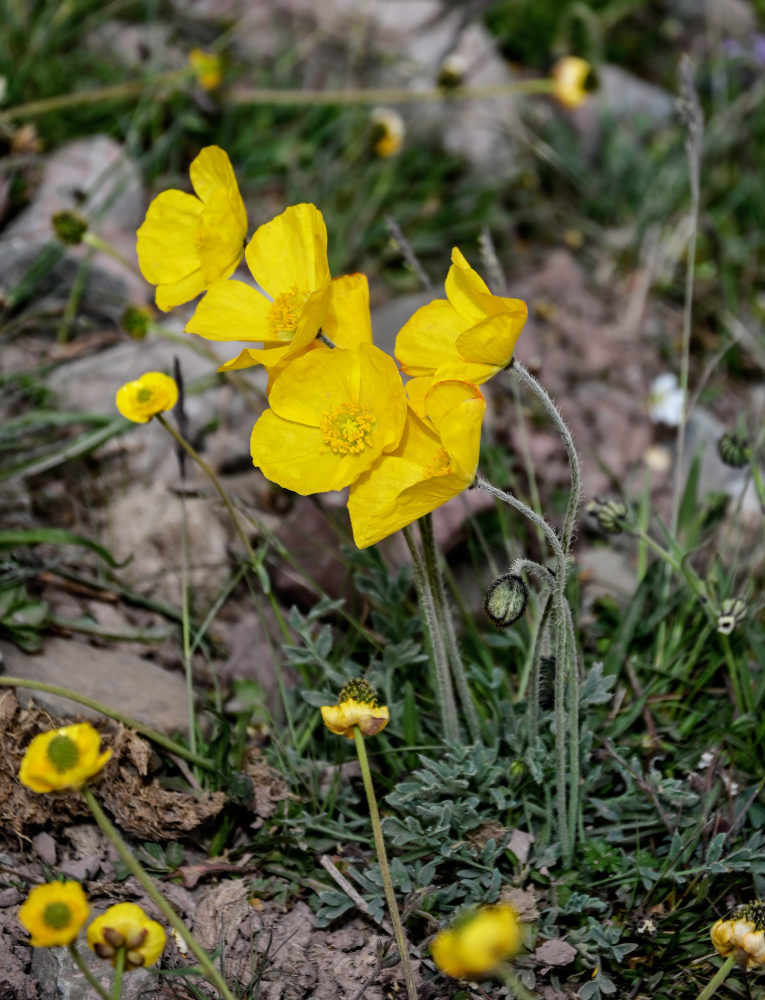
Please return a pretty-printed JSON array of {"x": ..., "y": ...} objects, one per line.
[
  {"x": 732, "y": 612},
  {"x": 69, "y": 227},
  {"x": 358, "y": 690},
  {"x": 505, "y": 600},
  {"x": 516, "y": 772},
  {"x": 611, "y": 515},
  {"x": 135, "y": 321},
  {"x": 734, "y": 450}
]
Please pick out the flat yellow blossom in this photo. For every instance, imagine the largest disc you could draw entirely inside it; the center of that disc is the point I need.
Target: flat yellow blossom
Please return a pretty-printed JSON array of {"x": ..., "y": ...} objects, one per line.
[
  {"x": 469, "y": 337},
  {"x": 288, "y": 259},
  {"x": 125, "y": 925},
  {"x": 54, "y": 914},
  {"x": 569, "y": 79},
  {"x": 145, "y": 397},
  {"x": 63, "y": 758},
  {"x": 357, "y": 707},
  {"x": 435, "y": 460},
  {"x": 333, "y": 413},
  {"x": 743, "y": 934},
  {"x": 477, "y": 944},
  {"x": 187, "y": 242}
]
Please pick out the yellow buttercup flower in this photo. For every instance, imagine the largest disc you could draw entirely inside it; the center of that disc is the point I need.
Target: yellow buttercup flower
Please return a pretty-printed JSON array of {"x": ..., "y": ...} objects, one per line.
[
  {"x": 333, "y": 413},
  {"x": 743, "y": 933},
  {"x": 570, "y": 75},
  {"x": 186, "y": 242},
  {"x": 54, "y": 913},
  {"x": 288, "y": 258},
  {"x": 469, "y": 337},
  {"x": 145, "y": 397},
  {"x": 435, "y": 460},
  {"x": 478, "y": 943},
  {"x": 357, "y": 706},
  {"x": 125, "y": 925},
  {"x": 207, "y": 68},
  {"x": 63, "y": 758}
]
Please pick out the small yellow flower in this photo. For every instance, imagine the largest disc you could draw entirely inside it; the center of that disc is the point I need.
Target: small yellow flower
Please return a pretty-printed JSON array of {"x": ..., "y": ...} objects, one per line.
[
  {"x": 357, "y": 705},
  {"x": 63, "y": 758},
  {"x": 54, "y": 914},
  {"x": 125, "y": 925},
  {"x": 743, "y": 933},
  {"x": 333, "y": 413},
  {"x": 469, "y": 337},
  {"x": 147, "y": 396},
  {"x": 207, "y": 68},
  {"x": 477, "y": 944},
  {"x": 388, "y": 131},
  {"x": 435, "y": 460},
  {"x": 569, "y": 78},
  {"x": 186, "y": 242}
]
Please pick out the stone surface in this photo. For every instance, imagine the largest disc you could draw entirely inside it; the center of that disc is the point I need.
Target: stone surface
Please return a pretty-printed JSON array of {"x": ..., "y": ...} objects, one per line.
[
  {"x": 56, "y": 971},
  {"x": 123, "y": 681}
]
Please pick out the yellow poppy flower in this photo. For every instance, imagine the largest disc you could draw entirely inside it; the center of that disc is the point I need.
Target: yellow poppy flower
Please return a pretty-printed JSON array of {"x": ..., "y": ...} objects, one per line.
[
  {"x": 186, "y": 242},
  {"x": 477, "y": 944},
  {"x": 346, "y": 323},
  {"x": 125, "y": 925},
  {"x": 63, "y": 758},
  {"x": 54, "y": 913},
  {"x": 744, "y": 934},
  {"x": 207, "y": 68},
  {"x": 357, "y": 705},
  {"x": 435, "y": 460},
  {"x": 569, "y": 78},
  {"x": 469, "y": 337},
  {"x": 288, "y": 258},
  {"x": 333, "y": 413},
  {"x": 145, "y": 397}
]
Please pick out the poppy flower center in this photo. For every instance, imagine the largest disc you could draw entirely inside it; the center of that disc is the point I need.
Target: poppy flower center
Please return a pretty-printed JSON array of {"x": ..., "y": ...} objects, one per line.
[
  {"x": 439, "y": 465},
  {"x": 57, "y": 916},
  {"x": 63, "y": 754},
  {"x": 143, "y": 395},
  {"x": 284, "y": 313},
  {"x": 347, "y": 428}
]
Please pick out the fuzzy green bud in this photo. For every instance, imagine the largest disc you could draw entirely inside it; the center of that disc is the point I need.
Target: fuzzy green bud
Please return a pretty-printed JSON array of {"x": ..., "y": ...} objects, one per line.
[
  {"x": 611, "y": 515},
  {"x": 734, "y": 450},
  {"x": 517, "y": 771},
  {"x": 135, "y": 321},
  {"x": 732, "y": 612},
  {"x": 69, "y": 227},
  {"x": 505, "y": 600}
]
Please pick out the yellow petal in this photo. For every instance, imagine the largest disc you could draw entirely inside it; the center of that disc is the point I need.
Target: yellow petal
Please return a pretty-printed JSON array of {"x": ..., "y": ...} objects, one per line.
[
  {"x": 428, "y": 339},
  {"x": 416, "y": 391},
  {"x": 231, "y": 310},
  {"x": 290, "y": 250},
  {"x": 166, "y": 240},
  {"x": 457, "y": 411},
  {"x": 347, "y": 322},
  {"x": 221, "y": 235},
  {"x": 175, "y": 294},
  {"x": 470, "y": 296},
  {"x": 492, "y": 341},
  {"x": 211, "y": 170}
]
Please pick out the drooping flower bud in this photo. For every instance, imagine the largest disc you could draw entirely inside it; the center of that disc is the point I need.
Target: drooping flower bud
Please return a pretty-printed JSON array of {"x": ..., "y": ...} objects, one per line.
[
  {"x": 69, "y": 227},
  {"x": 505, "y": 600},
  {"x": 734, "y": 450},
  {"x": 733, "y": 611},
  {"x": 611, "y": 515}
]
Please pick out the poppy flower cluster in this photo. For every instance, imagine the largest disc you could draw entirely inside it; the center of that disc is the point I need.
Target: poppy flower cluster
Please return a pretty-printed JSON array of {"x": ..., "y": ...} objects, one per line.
[{"x": 340, "y": 414}]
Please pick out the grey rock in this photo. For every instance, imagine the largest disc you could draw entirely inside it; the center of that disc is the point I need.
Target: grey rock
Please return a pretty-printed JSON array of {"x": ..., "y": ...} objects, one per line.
[
  {"x": 128, "y": 683},
  {"x": 388, "y": 318}
]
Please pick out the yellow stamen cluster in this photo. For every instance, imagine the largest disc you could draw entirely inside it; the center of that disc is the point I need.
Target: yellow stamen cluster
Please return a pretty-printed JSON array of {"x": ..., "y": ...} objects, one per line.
[
  {"x": 284, "y": 313},
  {"x": 346, "y": 429},
  {"x": 358, "y": 690},
  {"x": 439, "y": 465}
]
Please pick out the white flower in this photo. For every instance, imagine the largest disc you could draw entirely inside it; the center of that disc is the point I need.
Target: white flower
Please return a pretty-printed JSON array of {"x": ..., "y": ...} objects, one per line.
[{"x": 665, "y": 400}]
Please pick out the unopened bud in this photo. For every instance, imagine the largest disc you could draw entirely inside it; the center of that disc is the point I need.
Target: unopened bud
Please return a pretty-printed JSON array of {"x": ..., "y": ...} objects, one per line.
[
  {"x": 135, "y": 321},
  {"x": 734, "y": 450},
  {"x": 611, "y": 515},
  {"x": 69, "y": 227},
  {"x": 452, "y": 71},
  {"x": 505, "y": 600},
  {"x": 732, "y": 612}
]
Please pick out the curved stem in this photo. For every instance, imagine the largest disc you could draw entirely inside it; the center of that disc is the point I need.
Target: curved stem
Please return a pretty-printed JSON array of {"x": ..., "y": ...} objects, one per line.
[
  {"x": 718, "y": 978},
  {"x": 81, "y": 964},
  {"x": 135, "y": 868},
  {"x": 374, "y": 815},
  {"x": 151, "y": 734}
]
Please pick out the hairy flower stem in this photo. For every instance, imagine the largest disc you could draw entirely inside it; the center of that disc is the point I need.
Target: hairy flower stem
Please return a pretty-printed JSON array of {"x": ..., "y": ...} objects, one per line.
[
  {"x": 435, "y": 640},
  {"x": 717, "y": 980},
  {"x": 566, "y": 675},
  {"x": 119, "y": 969},
  {"x": 374, "y": 815},
  {"x": 446, "y": 622},
  {"x": 136, "y": 869},
  {"x": 211, "y": 475},
  {"x": 82, "y": 965}
]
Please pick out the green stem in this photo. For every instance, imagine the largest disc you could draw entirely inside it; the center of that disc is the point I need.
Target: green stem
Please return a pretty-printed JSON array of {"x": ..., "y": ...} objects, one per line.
[
  {"x": 98, "y": 243},
  {"x": 81, "y": 964},
  {"x": 151, "y": 734},
  {"x": 718, "y": 977},
  {"x": 435, "y": 641},
  {"x": 186, "y": 627},
  {"x": 119, "y": 968},
  {"x": 136, "y": 869},
  {"x": 212, "y": 476},
  {"x": 443, "y": 613},
  {"x": 382, "y": 858}
]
